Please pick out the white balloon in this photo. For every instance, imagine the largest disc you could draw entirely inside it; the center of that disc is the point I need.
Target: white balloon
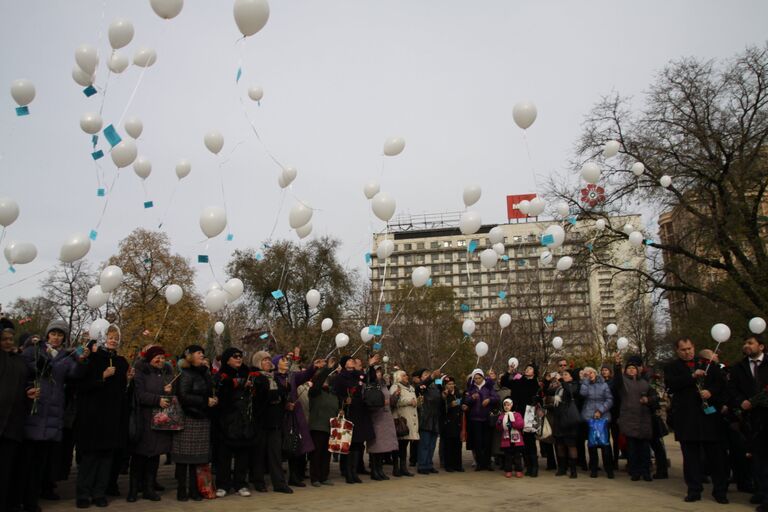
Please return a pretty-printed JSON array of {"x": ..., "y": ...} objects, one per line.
[
  {"x": 470, "y": 223},
  {"x": 499, "y": 249},
  {"x": 524, "y": 114},
  {"x": 545, "y": 258},
  {"x": 90, "y": 122},
  {"x": 385, "y": 359},
  {"x": 536, "y": 207},
  {"x": 300, "y": 214},
  {"x": 213, "y": 286},
  {"x": 183, "y": 168},
  {"x": 213, "y": 220},
  {"x": 326, "y": 324},
  {"x": 757, "y": 325},
  {"x": 23, "y": 92},
  {"x": 173, "y": 294},
  {"x": 524, "y": 206},
  {"x": 110, "y": 278},
  {"x": 287, "y": 175},
  {"x": 564, "y": 263},
  {"x": 22, "y": 253},
  {"x": 313, "y": 298},
  {"x": 142, "y": 167},
  {"x": 144, "y": 57},
  {"x": 471, "y": 194},
  {"x": 558, "y": 235},
  {"x": 600, "y": 224},
  {"x": 133, "y": 127},
  {"x": 665, "y": 181},
  {"x": 96, "y": 297},
  {"x": 611, "y": 329},
  {"x": 365, "y": 335},
  {"x": 87, "y": 58},
  {"x": 82, "y": 78},
  {"x": 385, "y": 249},
  {"x": 636, "y": 239},
  {"x": 167, "y": 9},
  {"x": 720, "y": 333},
  {"x": 488, "y": 258},
  {"x": 124, "y": 153},
  {"x": 562, "y": 209},
  {"x": 8, "y": 249},
  {"x": 513, "y": 362},
  {"x": 393, "y": 146},
  {"x": 251, "y": 15},
  {"x": 611, "y": 149},
  {"x": 504, "y": 320},
  {"x": 590, "y": 172},
  {"x": 468, "y": 327},
  {"x": 214, "y": 141},
  {"x": 120, "y": 33},
  {"x": 383, "y": 206},
  {"x": 215, "y": 300},
  {"x": 420, "y": 276},
  {"x": 98, "y": 329},
  {"x": 255, "y": 93},
  {"x": 218, "y": 327},
  {"x": 75, "y": 247},
  {"x": 622, "y": 343},
  {"x": 496, "y": 235},
  {"x": 342, "y": 340},
  {"x": 9, "y": 211},
  {"x": 371, "y": 189},
  {"x": 557, "y": 342},
  {"x": 304, "y": 231},
  {"x": 638, "y": 169},
  {"x": 117, "y": 63},
  {"x": 481, "y": 348},
  {"x": 234, "y": 288},
  {"x": 628, "y": 228}
]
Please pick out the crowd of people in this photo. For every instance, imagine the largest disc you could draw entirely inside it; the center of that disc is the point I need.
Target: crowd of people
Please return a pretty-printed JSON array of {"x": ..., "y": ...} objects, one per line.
[{"x": 227, "y": 424}]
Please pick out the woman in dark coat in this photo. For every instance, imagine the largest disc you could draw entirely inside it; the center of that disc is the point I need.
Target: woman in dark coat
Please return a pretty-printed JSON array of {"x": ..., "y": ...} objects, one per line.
[
  {"x": 450, "y": 429},
  {"x": 348, "y": 386},
  {"x": 479, "y": 400},
  {"x": 525, "y": 392},
  {"x": 323, "y": 405},
  {"x": 192, "y": 446},
  {"x": 562, "y": 395},
  {"x": 101, "y": 420},
  {"x": 153, "y": 389},
  {"x": 429, "y": 421},
  {"x": 385, "y": 441}
]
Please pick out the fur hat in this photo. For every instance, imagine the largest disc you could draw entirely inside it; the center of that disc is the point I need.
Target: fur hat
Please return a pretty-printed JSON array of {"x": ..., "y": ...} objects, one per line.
[
  {"x": 258, "y": 357},
  {"x": 191, "y": 349},
  {"x": 635, "y": 361},
  {"x": 152, "y": 352},
  {"x": 58, "y": 325},
  {"x": 343, "y": 361}
]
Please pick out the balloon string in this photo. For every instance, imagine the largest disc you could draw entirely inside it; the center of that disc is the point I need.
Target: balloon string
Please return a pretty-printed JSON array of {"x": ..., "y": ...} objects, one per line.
[
  {"x": 277, "y": 217},
  {"x": 710, "y": 361},
  {"x": 402, "y": 308},
  {"x": 258, "y": 137},
  {"x": 104, "y": 92},
  {"x": 317, "y": 347},
  {"x": 168, "y": 206},
  {"x": 530, "y": 160},
  {"x": 497, "y": 348},
  {"x": 26, "y": 278},
  {"x": 162, "y": 323},
  {"x": 449, "y": 358},
  {"x": 381, "y": 295},
  {"x": 132, "y": 96},
  {"x": 106, "y": 203}
]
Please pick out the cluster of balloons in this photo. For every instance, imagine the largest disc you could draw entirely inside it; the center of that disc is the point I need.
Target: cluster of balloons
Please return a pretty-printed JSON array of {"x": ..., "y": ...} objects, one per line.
[
  {"x": 299, "y": 218},
  {"x": 111, "y": 277},
  {"x": 219, "y": 296},
  {"x": 15, "y": 252},
  {"x": 533, "y": 207}
]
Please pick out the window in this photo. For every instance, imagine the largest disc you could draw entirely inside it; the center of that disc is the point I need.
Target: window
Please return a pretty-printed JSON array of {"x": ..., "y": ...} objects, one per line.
[
  {"x": 407, "y": 247},
  {"x": 408, "y": 259},
  {"x": 420, "y": 246},
  {"x": 434, "y": 245},
  {"x": 447, "y": 243},
  {"x": 461, "y": 243},
  {"x": 517, "y": 239}
]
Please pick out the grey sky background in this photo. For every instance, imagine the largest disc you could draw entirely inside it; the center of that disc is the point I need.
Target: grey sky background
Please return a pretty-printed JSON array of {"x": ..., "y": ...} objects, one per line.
[{"x": 338, "y": 78}]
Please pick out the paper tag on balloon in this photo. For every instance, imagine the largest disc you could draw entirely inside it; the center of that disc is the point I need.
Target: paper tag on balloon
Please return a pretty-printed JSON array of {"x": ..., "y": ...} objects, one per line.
[
  {"x": 264, "y": 336},
  {"x": 377, "y": 346},
  {"x": 429, "y": 282},
  {"x": 278, "y": 294},
  {"x": 387, "y": 308},
  {"x": 547, "y": 239},
  {"x": 148, "y": 204},
  {"x": 259, "y": 256},
  {"x": 572, "y": 219},
  {"x": 472, "y": 246},
  {"x": 112, "y": 137},
  {"x": 230, "y": 237},
  {"x": 710, "y": 410},
  {"x": 549, "y": 319},
  {"x": 93, "y": 234},
  {"x": 97, "y": 154},
  {"x": 239, "y": 74},
  {"x": 648, "y": 241},
  {"x": 589, "y": 247},
  {"x": 94, "y": 140},
  {"x": 521, "y": 262},
  {"x": 89, "y": 91},
  {"x": 368, "y": 258},
  {"x": 147, "y": 261},
  {"x": 11, "y": 269},
  {"x": 22, "y": 111},
  {"x": 202, "y": 258},
  {"x": 505, "y": 258},
  {"x": 100, "y": 192},
  {"x": 502, "y": 295},
  {"x": 464, "y": 307},
  {"x": 374, "y": 330}
]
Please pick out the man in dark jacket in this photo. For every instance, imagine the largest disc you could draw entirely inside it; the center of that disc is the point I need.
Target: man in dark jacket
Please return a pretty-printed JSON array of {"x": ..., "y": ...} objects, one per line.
[
  {"x": 429, "y": 420},
  {"x": 749, "y": 378},
  {"x": 698, "y": 394}
]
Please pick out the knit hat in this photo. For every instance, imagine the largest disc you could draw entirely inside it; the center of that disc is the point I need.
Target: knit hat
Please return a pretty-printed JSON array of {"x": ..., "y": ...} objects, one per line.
[
  {"x": 231, "y": 351},
  {"x": 58, "y": 325},
  {"x": 418, "y": 372},
  {"x": 192, "y": 349},
  {"x": 258, "y": 357},
  {"x": 152, "y": 352},
  {"x": 343, "y": 361},
  {"x": 635, "y": 361},
  {"x": 276, "y": 359},
  {"x": 605, "y": 365},
  {"x": 507, "y": 400}
]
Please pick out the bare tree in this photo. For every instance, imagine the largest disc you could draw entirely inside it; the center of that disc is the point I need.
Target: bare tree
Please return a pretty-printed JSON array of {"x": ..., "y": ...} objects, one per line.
[{"x": 66, "y": 292}]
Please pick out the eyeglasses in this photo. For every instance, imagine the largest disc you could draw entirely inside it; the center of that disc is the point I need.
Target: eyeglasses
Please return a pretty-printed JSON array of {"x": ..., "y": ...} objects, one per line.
[
  {"x": 563, "y": 364},
  {"x": 237, "y": 356}
]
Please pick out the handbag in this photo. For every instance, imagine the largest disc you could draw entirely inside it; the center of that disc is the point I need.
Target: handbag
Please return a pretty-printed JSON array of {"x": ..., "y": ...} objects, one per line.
[
  {"x": 493, "y": 417},
  {"x": 373, "y": 397},
  {"x": 340, "y": 438},
  {"x": 204, "y": 480},
  {"x": 292, "y": 439},
  {"x": 531, "y": 419},
  {"x": 544, "y": 433},
  {"x": 598, "y": 433},
  {"x": 171, "y": 418},
  {"x": 401, "y": 427}
]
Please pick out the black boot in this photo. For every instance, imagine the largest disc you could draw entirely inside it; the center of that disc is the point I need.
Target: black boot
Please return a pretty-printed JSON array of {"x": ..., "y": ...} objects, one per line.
[
  {"x": 593, "y": 462},
  {"x": 380, "y": 467},
  {"x": 396, "y": 465},
  {"x": 404, "y": 466},
  {"x": 181, "y": 482},
  {"x": 194, "y": 493},
  {"x": 572, "y": 467},
  {"x": 535, "y": 471},
  {"x": 373, "y": 463},
  {"x": 351, "y": 461},
  {"x": 150, "y": 475},
  {"x": 561, "y": 466},
  {"x": 135, "y": 475},
  {"x": 607, "y": 462}
]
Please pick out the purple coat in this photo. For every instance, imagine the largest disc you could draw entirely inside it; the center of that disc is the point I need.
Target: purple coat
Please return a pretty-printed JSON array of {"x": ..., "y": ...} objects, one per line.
[
  {"x": 477, "y": 412},
  {"x": 47, "y": 422},
  {"x": 383, "y": 427},
  {"x": 296, "y": 379}
]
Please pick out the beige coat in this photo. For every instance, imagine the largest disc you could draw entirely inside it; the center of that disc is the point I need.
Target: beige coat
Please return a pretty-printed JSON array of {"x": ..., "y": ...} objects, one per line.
[{"x": 404, "y": 408}]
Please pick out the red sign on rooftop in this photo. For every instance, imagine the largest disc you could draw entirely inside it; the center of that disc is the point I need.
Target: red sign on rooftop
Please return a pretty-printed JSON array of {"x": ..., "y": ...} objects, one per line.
[{"x": 513, "y": 211}]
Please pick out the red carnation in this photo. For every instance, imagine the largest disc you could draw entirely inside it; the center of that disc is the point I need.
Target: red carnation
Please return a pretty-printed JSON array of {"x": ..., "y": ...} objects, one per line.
[
  {"x": 222, "y": 376},
  {"x": 690, "y": 364},
  {"x": 254, "y": 374},
  {"x": 593, "y": 195}
]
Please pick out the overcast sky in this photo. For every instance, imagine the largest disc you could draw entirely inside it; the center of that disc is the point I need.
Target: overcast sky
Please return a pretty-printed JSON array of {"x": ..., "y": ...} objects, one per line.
[{"x": 338, "y": 77}]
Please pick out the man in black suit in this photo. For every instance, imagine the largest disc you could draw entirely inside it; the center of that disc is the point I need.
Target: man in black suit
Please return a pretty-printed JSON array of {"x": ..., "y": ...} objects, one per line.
[
  {"x": 748, "y": 378},
  {"x": 698, "y": 395}
]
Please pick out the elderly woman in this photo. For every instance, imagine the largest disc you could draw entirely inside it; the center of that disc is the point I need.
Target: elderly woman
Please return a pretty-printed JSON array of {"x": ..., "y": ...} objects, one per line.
[
  {"x": 323, "y": 405},
  {"x": 384, "y": 429},
  {"x": 450, "y": 428},
  {"x": 479, "y": 400},
  {"x": 153, "y": 391},
  {"x": 192, "y": 446},
  {"x": 561, "y": 399},
  {"x": 598, "y": 401},
  {"x": 403, "y": 398}
]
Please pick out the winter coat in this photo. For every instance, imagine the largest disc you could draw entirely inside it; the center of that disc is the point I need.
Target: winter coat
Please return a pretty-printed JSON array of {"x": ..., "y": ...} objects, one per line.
[
  {"x": 323, "y": 403},
  {"x": 296, "y": 418},
  {"x": 511, "y": 429},
  {"x": 477, "y": 411},
  {"x": 597, "y": 397},
  {"x": 194, "y": 389},
  {"x": 743, "y": 386},
  {"x": 635, "y": 419},
  {"x": 349, "y": 384},
  {"x": 269, "y": 402},
  {"x": 233, "y": 414},
  {"x": 402, "y": 398},
  {"x": 431, "y": 406},
  {"x": 686, "y": 415},
  {"x": 52, "y": 374},
  {"x": 383, "y": 427},
  {"x": 452, "y": 415},
  {"x": 14, "y": 404},
  {"x": 101, "y": 422},
  {"x": 565, "y": 421},
  {"x": 523, "y": 392},
  {"x": 148, "y": 386}
]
